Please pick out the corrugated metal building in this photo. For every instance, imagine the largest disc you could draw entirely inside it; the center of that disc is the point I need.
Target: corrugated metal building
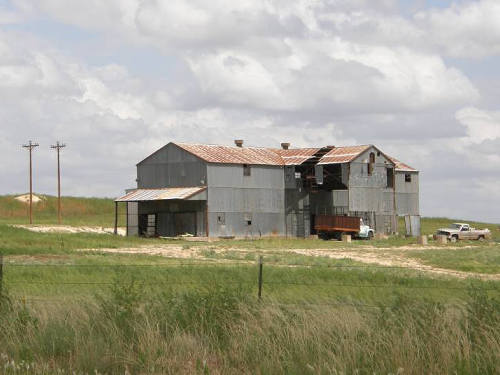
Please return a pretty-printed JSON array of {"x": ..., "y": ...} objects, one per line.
[{"x": 222, "y": 191}]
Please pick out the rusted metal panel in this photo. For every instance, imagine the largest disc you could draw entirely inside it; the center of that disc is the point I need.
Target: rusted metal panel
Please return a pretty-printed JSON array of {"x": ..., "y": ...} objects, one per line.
[
  {"x": 332, "y": 223},
  {"x": 233, "y": 155},
  {"x": 296, "y": 156},
  {"x": 143, "y": 195}
]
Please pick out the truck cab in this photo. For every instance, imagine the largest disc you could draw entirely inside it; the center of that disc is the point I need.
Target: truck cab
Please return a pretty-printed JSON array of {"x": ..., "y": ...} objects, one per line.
[{"x": 365, "y": 231}]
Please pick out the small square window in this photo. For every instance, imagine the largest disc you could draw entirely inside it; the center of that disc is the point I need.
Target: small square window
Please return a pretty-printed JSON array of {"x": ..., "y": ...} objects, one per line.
[
  {"x": 246, "y": 170},
  {"x": 407, "y": 177},
  {"x": 249, "y": 222}
]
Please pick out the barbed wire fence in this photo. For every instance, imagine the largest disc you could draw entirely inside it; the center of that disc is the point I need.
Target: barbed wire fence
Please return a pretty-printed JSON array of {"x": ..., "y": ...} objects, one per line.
[{"x": 260, "y": 281}]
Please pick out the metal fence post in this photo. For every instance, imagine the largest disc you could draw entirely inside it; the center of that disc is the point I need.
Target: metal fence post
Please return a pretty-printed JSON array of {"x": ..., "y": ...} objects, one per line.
[{"x": 261, "y": 263}]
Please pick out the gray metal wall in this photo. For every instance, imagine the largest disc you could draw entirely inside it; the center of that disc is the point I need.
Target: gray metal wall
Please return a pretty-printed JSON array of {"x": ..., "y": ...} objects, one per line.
[
  {"x": 234, "y": 200},
  {"x": 171, "y": 166},
  {"x": 407, "y": 194},
  {"x": 132, "y": 219},
  {"x": 369, "y": 195}
]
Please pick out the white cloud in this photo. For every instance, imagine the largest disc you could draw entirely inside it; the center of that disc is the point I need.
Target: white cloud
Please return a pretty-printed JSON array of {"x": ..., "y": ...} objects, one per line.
[
  {"x": 468, "y": 29},
  {"x": 481, "y": 125}
]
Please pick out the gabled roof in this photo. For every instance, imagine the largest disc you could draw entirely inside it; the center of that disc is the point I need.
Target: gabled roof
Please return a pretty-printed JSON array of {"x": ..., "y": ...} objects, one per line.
[
  {"x": 340, "y": 155},
  {"x": 277, "y": 157},
  {"x": 233, "y": 155},
  {"x": 400, "y": 166}
]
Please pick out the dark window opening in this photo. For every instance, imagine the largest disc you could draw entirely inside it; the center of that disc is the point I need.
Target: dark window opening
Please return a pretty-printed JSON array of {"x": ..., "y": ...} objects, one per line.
[
  {"x": 407, "y": 177},
  {"x": 390, "y": 177},
  {"x": 246, "y": 170},
  {"x": 371, "y": 163},
  {"x": 221, "y": 218},
  {"x": 249, "y": 222}
]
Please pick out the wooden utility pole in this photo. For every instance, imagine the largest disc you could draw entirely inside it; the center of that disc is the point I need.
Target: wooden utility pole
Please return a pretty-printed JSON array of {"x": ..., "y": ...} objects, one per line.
[
  {"x": 30, "y": 146},
  {"x": 58, "y": 147}
]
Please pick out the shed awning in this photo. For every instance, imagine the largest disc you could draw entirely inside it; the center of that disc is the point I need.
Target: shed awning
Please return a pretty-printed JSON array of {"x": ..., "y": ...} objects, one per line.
[{"x": 184, "y": 193}]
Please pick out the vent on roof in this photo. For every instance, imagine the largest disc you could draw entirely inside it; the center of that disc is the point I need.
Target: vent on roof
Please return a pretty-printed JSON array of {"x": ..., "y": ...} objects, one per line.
[
  {"x": 238, "y": 142},
  {"x": 285, "y": 145}
]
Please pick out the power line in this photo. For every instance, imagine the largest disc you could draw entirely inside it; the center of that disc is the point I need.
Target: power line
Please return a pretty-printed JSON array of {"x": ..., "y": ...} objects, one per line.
[{"x": 30, "y": 146}]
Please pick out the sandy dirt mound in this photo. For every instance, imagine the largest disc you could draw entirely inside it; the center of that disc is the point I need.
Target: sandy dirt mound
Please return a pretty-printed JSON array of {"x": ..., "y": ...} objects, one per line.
[
  {"x": 26, "y": 198},
  {"x": 70, "y": 229}
]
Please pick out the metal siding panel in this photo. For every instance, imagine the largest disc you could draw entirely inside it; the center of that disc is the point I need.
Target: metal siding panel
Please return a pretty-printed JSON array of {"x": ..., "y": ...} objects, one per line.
[
  {"x": 171, "y": 166},
  {"x": 132, "y": 219},
  {"x": 220, "y": 175}
]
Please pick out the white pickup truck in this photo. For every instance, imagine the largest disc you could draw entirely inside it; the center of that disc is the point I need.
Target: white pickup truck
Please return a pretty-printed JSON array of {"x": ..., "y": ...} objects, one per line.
[{"x": 462, "y": 231}]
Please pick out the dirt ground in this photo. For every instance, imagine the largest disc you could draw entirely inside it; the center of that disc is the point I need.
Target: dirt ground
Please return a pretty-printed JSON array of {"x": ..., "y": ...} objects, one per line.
[
  {"x": 390, "y": 256},
  {"x": 383, "y": 256},
  {"x": 70, "y": 229}
]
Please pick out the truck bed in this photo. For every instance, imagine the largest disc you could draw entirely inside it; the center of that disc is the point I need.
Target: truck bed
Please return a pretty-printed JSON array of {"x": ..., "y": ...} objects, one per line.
[{"x": 333, "y": 223}]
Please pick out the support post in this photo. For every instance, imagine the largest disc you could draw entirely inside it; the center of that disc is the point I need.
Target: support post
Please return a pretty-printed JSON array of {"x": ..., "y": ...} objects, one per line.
[
  {"x": 116, "y": 218},
  {"x": 1, "y": 276},
  {"x": 261, "y": 263}
]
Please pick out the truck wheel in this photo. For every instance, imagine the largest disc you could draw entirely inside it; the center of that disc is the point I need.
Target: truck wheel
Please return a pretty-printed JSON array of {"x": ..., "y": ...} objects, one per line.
[
  {"x": 453, "y": 239},
  {"x": 370, "y": 236}
]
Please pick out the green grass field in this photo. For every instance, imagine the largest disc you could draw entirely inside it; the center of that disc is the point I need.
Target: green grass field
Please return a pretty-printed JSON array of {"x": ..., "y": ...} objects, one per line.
[
  {"x": 75, "y": 211},
  {"x": 65, "y": 309}
]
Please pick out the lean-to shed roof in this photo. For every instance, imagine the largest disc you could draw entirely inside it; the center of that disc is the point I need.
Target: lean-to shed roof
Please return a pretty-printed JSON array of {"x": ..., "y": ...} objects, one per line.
[
  {"x": 400, "y": 166},
  {"x": 144, "y": 195}
]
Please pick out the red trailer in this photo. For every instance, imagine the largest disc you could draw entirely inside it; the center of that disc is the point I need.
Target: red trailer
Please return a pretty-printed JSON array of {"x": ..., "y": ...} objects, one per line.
[{"x": 334, "y": 226}]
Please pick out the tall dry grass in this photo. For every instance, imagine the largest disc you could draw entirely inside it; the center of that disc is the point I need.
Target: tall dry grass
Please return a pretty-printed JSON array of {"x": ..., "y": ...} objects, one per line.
[{"x": 221, "y": 330}]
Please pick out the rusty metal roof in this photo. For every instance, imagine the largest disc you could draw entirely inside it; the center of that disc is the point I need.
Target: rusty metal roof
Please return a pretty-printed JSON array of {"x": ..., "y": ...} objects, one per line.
[
  {"x": 340, "y": 155},
  {"x": 296, "y": 156},
  {"x": 142, "y": 195},
  {"x": 400, "y": 166},
  {"x": 233, "y": 155},
  {"x": 276, "y": 156}
]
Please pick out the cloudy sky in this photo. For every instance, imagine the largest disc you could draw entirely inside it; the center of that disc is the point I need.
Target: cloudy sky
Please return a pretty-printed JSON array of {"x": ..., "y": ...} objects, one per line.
[{"x": 117, "y": 79}]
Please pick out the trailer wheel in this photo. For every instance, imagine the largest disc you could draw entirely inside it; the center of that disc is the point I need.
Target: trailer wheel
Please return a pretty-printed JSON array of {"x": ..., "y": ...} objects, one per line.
[{"x": 480, "y": 238}]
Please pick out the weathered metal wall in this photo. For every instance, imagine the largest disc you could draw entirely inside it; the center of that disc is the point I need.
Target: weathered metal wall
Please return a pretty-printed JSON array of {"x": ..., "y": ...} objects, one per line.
[
  {"x": 132, "y": 219},
  {"x": 369, "y": 195},
  {"x": 407, "y": 194},
  {"x": 241, "y": 205},
  {"x": 171, "y": 166}
]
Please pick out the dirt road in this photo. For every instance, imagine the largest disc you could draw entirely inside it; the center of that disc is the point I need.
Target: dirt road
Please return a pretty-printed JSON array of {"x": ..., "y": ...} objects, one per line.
[{"x": 390, "y": 256}]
